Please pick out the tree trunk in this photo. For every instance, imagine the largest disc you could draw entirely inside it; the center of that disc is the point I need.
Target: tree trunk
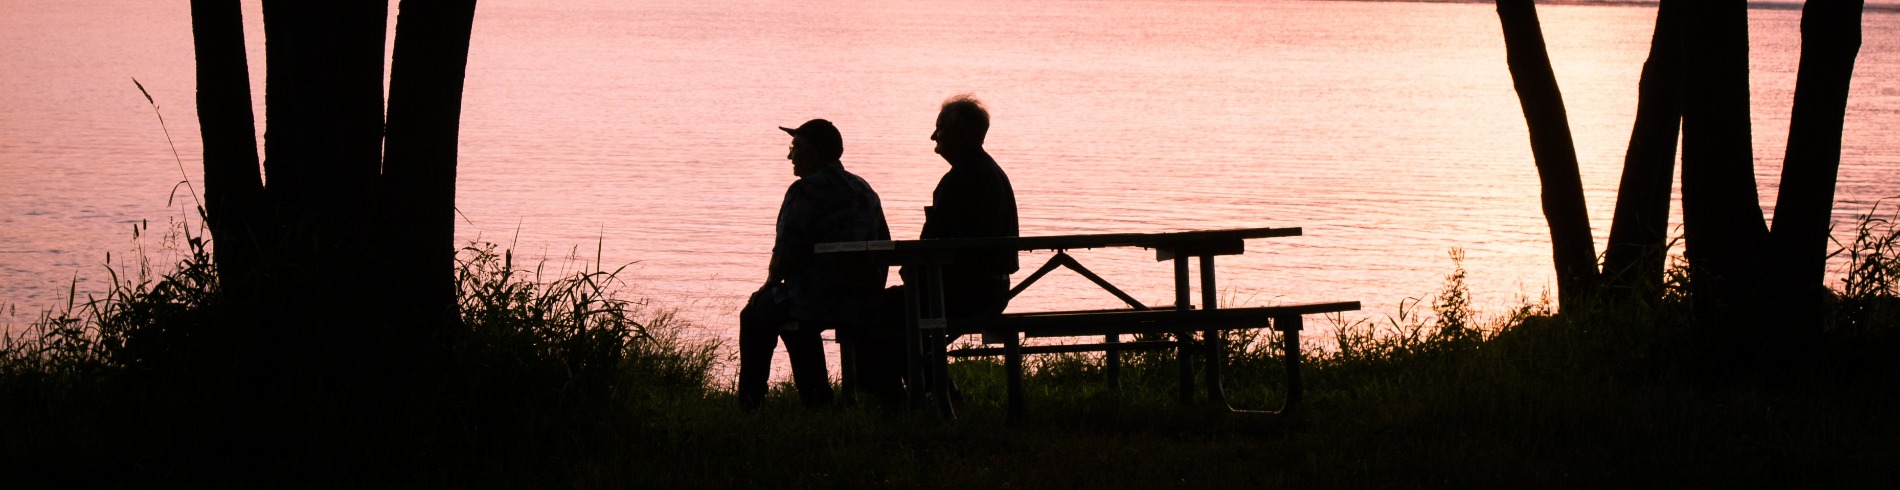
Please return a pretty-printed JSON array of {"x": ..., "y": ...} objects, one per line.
[
  {"x": 425, "y": 108},
  {"x": 1722, "y": 219},
  {"x": 348, "y": 261},
  {"x": 1573, "y": 249},
  {"x": 323, "y": 154},
  {"x": 323, "y": 147},
  {"x": 1830, "y": 40},
  {"x": 1639, "y": 236},
  {"x": 324, "y": 102},
  {"x": 233, "y": 192}
]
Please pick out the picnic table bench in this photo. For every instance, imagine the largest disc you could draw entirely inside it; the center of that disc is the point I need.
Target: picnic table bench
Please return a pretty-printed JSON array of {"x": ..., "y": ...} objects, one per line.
[{"x": 927, "y": 330}]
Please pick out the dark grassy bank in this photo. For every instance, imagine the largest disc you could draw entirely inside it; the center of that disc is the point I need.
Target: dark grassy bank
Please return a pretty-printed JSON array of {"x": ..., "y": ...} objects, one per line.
[{"x": 560, "y": 384}]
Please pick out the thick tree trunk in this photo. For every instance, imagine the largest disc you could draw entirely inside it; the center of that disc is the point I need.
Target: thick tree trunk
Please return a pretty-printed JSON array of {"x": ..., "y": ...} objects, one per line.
[
  {"x": 1830, "y": 40},
  {"x": 351, "y": 261},
  {"x": 1573, "y": 249},
  {"x": 1722, "y": 219},
  {"x": 233, "y": 192},
  {"x": 324, "y": 99},
  {"x": 323, "y": 146},
  {"x": 425, "y": 108},
  {"x": 1639, "y": 236},
  {"x": 323, "y": 154}
]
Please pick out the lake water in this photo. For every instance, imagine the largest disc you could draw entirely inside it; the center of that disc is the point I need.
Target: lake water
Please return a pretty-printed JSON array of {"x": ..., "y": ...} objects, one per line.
[{"x": 1388, "y": 131}]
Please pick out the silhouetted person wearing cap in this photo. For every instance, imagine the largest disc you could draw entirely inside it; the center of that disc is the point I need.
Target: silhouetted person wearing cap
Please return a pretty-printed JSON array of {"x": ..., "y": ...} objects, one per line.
[
  {"x": 805, "y": 292},
  {"x": 973, "y": 200}
]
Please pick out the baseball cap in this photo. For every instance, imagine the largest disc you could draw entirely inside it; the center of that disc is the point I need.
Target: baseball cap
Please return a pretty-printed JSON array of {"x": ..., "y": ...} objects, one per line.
[{"x": 820, "y": 133}]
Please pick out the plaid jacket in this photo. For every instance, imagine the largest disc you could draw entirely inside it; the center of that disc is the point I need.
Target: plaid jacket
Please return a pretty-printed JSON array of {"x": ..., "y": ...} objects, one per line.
[{"x": 828, "y": 205}]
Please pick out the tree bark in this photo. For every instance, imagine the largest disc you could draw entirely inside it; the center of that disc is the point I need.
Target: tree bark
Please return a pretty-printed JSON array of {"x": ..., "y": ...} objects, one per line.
[
  {"x": 1830, "y": 40},
  {"x": 354, "y": 259},
  {"x": 233, "y": 192},
  {"x": 1573, "y": 249},
  {"x": 1639, "y": 235},
  {"x": 323, "y": 157},
  {"x": 425, "y": 108},
  {"x": 324, "y": 103},
  {"x": 1722, "y": 219},
  {"x": 323, "y": 147}
]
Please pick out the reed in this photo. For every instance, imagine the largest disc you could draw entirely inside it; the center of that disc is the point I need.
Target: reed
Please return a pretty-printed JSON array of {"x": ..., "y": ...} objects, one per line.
[
  {"x": 141, "y": 382},
  {"x": 1872, "y": 280}
]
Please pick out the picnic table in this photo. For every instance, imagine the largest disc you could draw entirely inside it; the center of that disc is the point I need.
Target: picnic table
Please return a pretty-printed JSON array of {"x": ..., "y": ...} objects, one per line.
[{"x": 927, "y": 330}]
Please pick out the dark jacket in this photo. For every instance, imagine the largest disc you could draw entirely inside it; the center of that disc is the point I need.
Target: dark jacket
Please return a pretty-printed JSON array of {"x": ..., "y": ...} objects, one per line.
[
  {"x": 974, "y": 200},
  {"x": 828, "y": 205}
]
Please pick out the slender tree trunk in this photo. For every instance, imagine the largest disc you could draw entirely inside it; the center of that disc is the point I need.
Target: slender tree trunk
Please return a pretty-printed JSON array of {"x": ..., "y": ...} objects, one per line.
[
  {"x": 1573, "y": 249},
  {"x": 1830, "y": 40},
  {"x": 1722, "y": 219},
  {"x": 233, "y": 192},
  {"x": 1639, "y": 236},
  {"x": 425, "y": 108}
]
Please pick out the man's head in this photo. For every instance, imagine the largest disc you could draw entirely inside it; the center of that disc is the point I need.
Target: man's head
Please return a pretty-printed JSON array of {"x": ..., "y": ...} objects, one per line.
[
  {"x": 961, "y": 124},
  {"x": 814, "y": 145}
]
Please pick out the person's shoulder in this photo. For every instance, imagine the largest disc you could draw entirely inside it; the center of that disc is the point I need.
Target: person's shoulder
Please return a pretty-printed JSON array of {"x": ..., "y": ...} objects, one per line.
[
  {"x": 988, "y": 169},
  {"x": 980, "y": 163},
  {"x": 846, "y": 173},
  {"x": 807, "y": 187},
  {"x": 830, "y": 178},
  {"x": 803, "y": 182},
  {"x": 834, "y": 181},
  {"x": 986, "y": 158},
  {"x": 862, "y": 188}
]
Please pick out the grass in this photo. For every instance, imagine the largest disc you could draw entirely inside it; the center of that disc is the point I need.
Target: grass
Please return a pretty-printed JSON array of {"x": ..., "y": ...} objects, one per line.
[
  {"x": 1872, "y": 282},
  {"x": 561, "y": 383}
]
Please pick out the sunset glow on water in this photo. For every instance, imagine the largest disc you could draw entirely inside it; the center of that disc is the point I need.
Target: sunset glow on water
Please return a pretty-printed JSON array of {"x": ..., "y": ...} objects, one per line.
[{"x": 1388, "y": 131}]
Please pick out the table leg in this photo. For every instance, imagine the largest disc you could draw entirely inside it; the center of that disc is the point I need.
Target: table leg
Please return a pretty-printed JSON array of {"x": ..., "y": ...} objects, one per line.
[
  {"x": 1184, "y": 354},
  {"x": 1289, "y": 328},
  {"x": 936, "y": 344},
  {"x": 1216, "y": 345},
  {"x": 913, "y": 343},
  {"x": 848, "y": 363},
  {"x": 1013, "y": 367}
]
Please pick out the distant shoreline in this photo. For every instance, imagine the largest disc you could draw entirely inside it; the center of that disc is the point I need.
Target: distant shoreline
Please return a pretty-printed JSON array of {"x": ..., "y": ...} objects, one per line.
[{"x": 1764, "y": 5}]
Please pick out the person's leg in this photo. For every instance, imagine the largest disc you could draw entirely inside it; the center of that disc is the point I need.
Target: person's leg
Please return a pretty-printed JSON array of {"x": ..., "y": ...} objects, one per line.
[
  {"x": 807, "y": 352},
  {"x": 973, "y": 297},
  {"x": 881, "y": 366},
  {"x": 976, "y": 296},
  {"x": 758, "y": 337},
  {"x": 881, "y": 348}
]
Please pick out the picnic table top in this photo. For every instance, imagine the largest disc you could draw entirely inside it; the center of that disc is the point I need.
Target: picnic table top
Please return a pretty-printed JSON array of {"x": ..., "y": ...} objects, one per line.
[{"x": 1162, "y": 240}]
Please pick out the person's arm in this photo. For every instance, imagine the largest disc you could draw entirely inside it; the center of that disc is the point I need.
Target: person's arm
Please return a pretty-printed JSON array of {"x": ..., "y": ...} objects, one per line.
[
  {"x": 772, "y": 276},
  {"x": 792, "y": 245}
]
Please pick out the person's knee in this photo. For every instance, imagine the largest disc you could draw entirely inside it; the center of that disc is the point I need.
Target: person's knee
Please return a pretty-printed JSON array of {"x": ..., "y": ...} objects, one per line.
[
  {"x": 754, "y": 314},
  {"x": 763, "y": 315},
  {"x": 890, "y": 305},
  {"x": 804, "y": 335}
]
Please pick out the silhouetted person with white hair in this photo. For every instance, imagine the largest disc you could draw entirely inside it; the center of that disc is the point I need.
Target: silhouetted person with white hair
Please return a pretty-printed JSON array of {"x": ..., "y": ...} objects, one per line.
[{"x": 973, "y": 200}]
